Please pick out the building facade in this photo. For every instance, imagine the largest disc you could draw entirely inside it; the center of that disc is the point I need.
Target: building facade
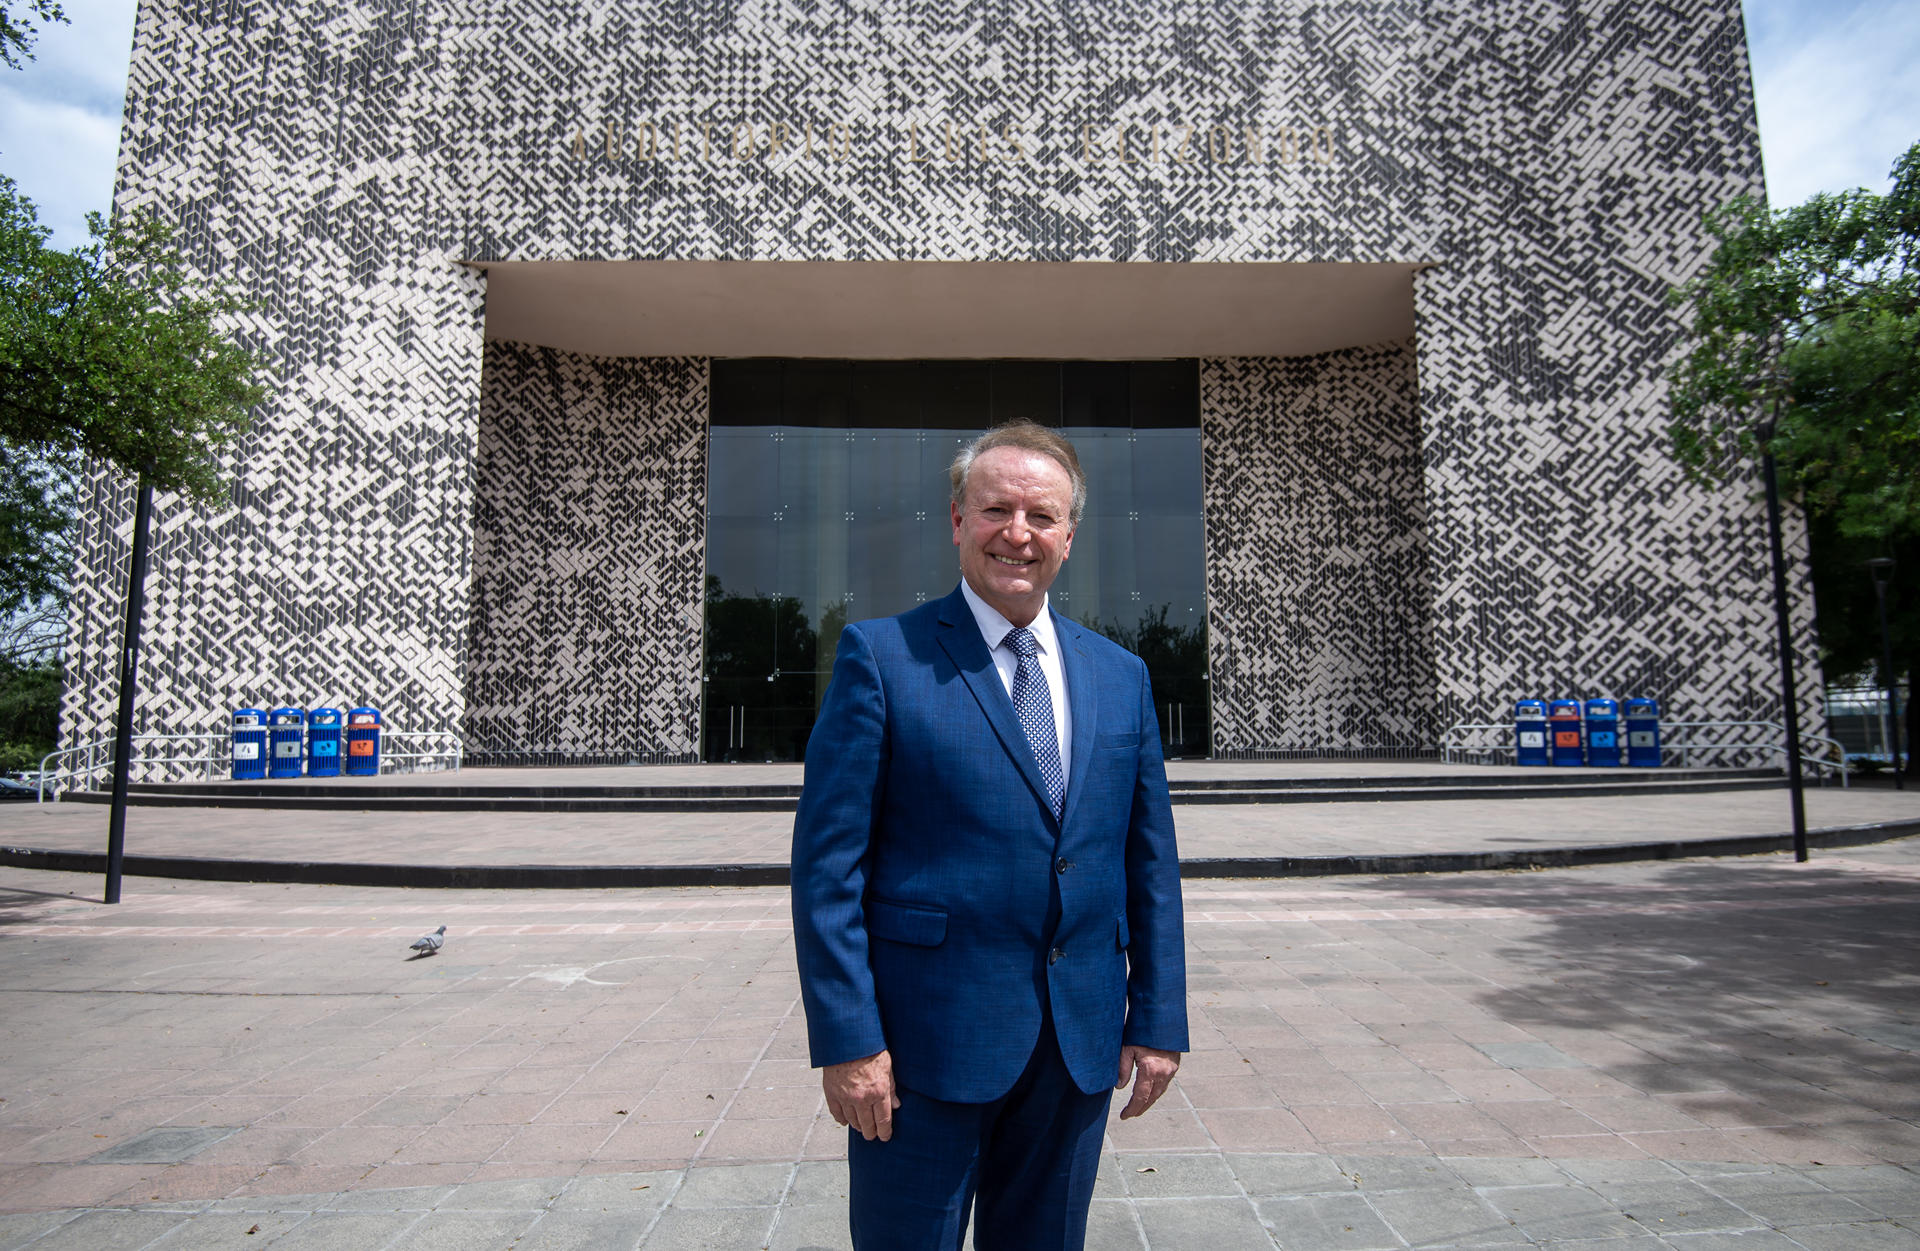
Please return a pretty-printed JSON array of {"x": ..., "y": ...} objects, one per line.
[{"x": 1362, "y": 303}]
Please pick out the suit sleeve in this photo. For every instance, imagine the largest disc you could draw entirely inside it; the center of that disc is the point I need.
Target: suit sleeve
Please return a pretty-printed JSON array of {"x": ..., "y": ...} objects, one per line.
[
  {"x": 840, "y": 805},
  {"x": 1157, "y": 946}
]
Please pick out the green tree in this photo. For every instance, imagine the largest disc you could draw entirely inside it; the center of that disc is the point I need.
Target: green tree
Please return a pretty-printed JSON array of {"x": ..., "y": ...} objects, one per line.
[
  {"x": 1806, "y": 343},
  {"x": 17, "y": 32}
]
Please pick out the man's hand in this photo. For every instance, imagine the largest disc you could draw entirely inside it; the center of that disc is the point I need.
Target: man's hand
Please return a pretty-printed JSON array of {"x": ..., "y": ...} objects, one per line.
[
  {"x": 1152, "y": 1071},
  {"x": 860, "y": 1093}
]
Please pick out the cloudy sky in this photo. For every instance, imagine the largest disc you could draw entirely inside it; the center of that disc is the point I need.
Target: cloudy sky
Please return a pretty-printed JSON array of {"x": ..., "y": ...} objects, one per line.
[{"x": 1837, "y": 81}]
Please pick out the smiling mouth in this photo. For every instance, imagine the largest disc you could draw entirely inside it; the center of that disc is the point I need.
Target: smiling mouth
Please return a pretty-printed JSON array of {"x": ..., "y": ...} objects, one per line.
[{"x": 1008, "y": 560}]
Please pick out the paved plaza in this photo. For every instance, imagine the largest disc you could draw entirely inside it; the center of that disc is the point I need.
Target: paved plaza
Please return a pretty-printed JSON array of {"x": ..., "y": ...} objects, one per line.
[{"x": 1701, "y": 1055}]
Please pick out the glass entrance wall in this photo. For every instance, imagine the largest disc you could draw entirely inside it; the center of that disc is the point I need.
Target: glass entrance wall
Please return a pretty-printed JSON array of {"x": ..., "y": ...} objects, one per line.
[{"x": 827, "y": 503}]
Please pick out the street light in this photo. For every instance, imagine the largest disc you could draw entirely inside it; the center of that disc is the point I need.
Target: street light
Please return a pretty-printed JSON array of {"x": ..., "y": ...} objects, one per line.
[{"x": 1881, "y": 568}]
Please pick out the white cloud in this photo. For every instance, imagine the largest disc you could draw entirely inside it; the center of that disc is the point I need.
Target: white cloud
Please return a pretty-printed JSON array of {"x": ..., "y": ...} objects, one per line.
[
  {"x": 1837, "y": 90},
  {"x": 60, "y": 116},
  {"x": 62, "y": 157}
]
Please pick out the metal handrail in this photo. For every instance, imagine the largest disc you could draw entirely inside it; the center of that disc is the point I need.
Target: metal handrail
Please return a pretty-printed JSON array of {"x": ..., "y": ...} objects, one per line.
[
  {"x": 1837, "y": 764},
  {"x": 218, "y": 760}
]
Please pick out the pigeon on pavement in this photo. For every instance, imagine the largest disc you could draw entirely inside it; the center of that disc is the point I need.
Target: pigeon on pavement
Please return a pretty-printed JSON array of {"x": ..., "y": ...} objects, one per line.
[{"x": 427, "y": 944}]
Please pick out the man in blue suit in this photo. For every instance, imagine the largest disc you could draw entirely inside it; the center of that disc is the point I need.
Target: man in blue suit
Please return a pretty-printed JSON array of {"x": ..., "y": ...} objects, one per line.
[{"x": 986, "y": 894}]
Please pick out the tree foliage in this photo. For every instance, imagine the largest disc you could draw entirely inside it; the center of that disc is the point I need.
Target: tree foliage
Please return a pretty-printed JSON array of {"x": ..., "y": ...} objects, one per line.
[
  {"x": 113, "y": 350},
  {"x": 17, "y": 30},
  {"x": 1806, "y": 342}
]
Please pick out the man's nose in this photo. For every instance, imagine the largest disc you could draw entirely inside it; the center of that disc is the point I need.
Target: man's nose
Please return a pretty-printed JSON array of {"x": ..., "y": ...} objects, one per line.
[{"x": 1018, "y": 531}]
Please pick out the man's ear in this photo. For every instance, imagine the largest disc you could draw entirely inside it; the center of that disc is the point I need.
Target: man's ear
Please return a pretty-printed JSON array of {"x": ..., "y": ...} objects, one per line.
[{"x": 954, "y": 511}]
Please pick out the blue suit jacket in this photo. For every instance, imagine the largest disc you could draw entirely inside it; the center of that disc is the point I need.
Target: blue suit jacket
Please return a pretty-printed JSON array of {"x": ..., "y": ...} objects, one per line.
[{"x": 932, "y": 885}]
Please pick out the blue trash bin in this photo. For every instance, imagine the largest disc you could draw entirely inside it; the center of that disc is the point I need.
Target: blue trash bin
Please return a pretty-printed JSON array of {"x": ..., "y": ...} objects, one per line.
[
  {"x": 249, "y": 744},
  {"x": 363, "y": 742},
  {"x": 1530, "y": 732},
  {"x": 286, "y": 738},
  {"x": 323, "y": 743},
  {"x": 1563, "y": 723},
  {"x": 1643, "y": 733},
  {"x": 1603, "y": 733}
]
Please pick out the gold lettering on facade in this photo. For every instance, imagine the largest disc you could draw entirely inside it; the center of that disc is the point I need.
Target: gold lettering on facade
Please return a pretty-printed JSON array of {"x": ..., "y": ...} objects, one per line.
[{"x": 1112, "y": 143}]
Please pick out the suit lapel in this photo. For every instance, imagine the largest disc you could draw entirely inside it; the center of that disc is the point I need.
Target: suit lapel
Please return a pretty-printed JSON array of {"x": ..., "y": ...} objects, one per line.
[
  {"x": 1081, "y": 704},
  {"x": 960, "y": 636}
]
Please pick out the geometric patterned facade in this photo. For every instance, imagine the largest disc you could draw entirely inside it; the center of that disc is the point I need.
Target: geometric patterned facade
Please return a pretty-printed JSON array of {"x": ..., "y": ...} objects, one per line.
[
  {"x": 1444, "y": 525},
  {"x": 1317, "y": 586},
  {"x": 589, "y": 551}
]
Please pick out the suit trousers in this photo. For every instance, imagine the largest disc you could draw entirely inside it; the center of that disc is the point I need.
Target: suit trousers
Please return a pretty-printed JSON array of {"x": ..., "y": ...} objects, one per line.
[{"x": 1024, "y": 1163}]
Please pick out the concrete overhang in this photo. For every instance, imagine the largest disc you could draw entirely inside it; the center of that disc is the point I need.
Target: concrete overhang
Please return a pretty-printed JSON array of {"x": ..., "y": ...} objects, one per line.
[{"x": 921, "y": 310}]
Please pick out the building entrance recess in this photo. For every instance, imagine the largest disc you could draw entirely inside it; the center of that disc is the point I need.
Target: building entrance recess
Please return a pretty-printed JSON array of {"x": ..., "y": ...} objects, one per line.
[{"x": 827, "y": 503}]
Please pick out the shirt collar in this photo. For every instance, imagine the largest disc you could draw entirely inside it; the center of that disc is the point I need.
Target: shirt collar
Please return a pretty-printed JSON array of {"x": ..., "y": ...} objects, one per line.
[{"x": 994, "y": 626}]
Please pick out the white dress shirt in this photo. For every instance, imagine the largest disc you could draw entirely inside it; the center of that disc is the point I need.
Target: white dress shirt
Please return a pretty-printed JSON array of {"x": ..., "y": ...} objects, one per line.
[{"x": 994, "y": 629}]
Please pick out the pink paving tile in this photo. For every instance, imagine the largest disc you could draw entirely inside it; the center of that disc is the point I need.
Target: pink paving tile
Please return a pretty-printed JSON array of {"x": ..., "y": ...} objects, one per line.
[
  {"x": 826, "y": 1140},
  {"x": 590, "y": 1109},
  {"x": 1502, "y": 1148},
  {"x": 1405, "y": 1088},
  {"x": 538, "y": 1081},
  {"x": 1225, "y": 1092},
  {"x": 1254, "y": 1129},
  {"x": 491, "y": 1109},
  {"x": 1161, "y": 1128},
  {"x": 260, "y": 1146},
  {"x": 1580, "y": 1083},
  {"x": 1348, "y": 1124},
  {"x": 1445, "y": 1120},
  {"x": 676, "y": 1105},
  {"x": 1584, "y": 1147},
  {"x": 1393, "y": 1147},
  {"x": 559, "y": 1143},
  {"x": 1434, "y": 1056},
  {"x": 1633, "y": 1113},
  {"x": 48, "y": 1186},
  {"x": 781, "y": 1101},
  {"x": 367, "y": 1145},
  {"x": 781, "y": 1139},
  {"x": 457, "y": 1144},
  {"x": 1532, "y": 1118},
  {"x": 303, "y": 1179},
  {"x": 396, "y": 1176},
  {"x": 322, "y": 1111},
  {"x": 712, "y": 1078},
  {"x": 1491, "y": 1084},
  {"x": 178, "y": 1182},
  {"x": 1378, "y": 1059},
  {"x": 655, "y": 1140},
  {"x": 1696, "y": 1144}
]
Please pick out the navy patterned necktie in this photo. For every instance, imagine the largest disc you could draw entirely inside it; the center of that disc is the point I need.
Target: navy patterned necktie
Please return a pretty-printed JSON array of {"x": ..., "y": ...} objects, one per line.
[{"x": 1034, "y": 703}]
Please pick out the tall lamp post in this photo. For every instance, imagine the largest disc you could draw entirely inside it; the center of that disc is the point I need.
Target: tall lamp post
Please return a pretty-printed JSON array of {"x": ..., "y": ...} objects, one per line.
[
  {"x": 1881, "y": 567},
  {"x": 1790, "y": 701}
]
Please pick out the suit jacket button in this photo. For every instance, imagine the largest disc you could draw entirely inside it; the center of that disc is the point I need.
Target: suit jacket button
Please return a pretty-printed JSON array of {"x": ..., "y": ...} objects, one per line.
[
  {"x": 1062, "y": 865},
  {"x": 1053, "y": 957}
]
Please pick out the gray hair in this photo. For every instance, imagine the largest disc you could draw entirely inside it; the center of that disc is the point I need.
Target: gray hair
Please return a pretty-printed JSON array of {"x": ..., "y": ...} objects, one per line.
[{"x": 1028, "y": 436}]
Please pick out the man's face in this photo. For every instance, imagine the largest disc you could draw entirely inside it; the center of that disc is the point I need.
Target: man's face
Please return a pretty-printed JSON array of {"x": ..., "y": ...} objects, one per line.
[{"x": 1014, "y": 530}]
